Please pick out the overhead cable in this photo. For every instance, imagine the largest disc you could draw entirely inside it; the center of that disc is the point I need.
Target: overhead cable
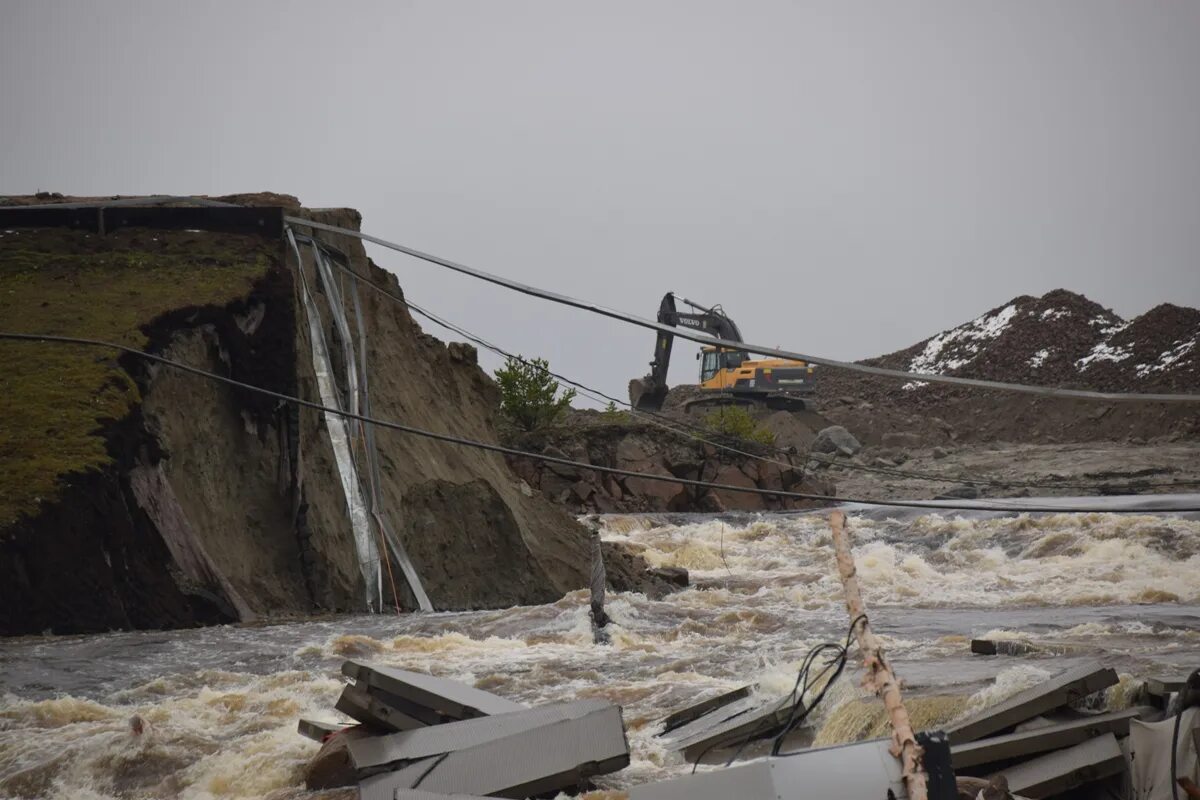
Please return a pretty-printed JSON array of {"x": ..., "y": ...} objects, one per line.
[
  {"x": 937, "y": 505},
  {"x": 683, "y": 333},
  {"x": 680, "y": 427}
]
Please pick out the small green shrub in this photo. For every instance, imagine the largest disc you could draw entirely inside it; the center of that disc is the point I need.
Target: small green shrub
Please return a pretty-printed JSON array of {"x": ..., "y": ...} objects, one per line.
[
  {"x": 529, "y": 396},
  {"x": 614, "y": 413},
  {"x": 737, "y": 422}
]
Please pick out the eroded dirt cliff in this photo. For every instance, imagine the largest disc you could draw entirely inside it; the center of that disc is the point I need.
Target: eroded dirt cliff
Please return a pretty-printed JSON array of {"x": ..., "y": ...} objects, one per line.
[{"x": 137, "y": 495}]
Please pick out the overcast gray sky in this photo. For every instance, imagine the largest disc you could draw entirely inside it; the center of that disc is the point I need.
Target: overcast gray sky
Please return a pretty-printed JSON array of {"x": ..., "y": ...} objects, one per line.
[{"x": 846, "y": 178}]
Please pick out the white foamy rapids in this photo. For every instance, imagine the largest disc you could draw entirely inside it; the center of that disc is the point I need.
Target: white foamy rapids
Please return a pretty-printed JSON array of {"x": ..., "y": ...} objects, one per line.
[
  {"x": 220, "y": 705},
  {"x": 944, "y": 560},
  {"x": 201, "y": 736}
]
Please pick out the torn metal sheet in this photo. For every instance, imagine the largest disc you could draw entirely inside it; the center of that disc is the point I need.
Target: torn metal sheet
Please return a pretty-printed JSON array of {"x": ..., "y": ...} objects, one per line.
[
  {"x": 451, "y": 699},
  {"x": 546, "y": 759},
  {"x": 860, "y": 770},
  {"x": 1062, "y": 770},
  {"x": 382, "y": 752},
  {"x": 1057, "y": 691},
  {"x": 1045, "y": 738},
  {"x": 339, "y": 440}
]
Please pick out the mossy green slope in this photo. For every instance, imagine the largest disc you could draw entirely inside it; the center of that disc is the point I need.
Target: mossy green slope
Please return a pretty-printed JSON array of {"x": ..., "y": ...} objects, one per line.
[{"x": 57, "y": 400}]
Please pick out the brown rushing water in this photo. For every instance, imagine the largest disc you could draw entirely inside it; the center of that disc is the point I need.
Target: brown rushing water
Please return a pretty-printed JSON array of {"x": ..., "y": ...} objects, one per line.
[{"x": 222, "y": 703}]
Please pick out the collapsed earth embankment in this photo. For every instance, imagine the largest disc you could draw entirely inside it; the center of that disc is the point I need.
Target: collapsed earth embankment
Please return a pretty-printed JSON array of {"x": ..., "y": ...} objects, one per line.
[{"x": 136, "y": 495}]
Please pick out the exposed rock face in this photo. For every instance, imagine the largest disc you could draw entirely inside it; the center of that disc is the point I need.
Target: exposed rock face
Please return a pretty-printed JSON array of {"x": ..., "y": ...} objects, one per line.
[
  {"x": 220, "y": 504},
  {"x": 626, "y": 444}
]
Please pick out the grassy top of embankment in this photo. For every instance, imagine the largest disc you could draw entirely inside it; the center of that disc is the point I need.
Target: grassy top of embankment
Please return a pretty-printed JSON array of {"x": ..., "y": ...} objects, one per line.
[{"x": 56, "y": 401}]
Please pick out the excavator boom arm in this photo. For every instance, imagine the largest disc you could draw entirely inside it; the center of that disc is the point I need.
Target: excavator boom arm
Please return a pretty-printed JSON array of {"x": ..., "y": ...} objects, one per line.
[{"x": 650, "y": 391}]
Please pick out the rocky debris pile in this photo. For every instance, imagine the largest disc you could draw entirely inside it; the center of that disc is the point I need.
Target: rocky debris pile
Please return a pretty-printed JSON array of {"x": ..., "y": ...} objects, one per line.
[
  {"x": 1060, "y": 339},
  {"x": 1064, "y": 339},
  {"x": 623, "y": 442}
]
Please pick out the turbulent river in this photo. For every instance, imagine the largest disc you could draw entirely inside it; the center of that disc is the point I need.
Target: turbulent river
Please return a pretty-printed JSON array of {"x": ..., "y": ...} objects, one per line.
[{"x": 221, "y": 704}]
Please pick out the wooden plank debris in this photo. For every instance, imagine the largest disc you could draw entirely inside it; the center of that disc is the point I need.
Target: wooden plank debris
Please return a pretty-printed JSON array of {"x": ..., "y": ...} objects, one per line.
[
  {"x": 546, "y": 759},
  {"x": 1062, "y": 770},
  {"x": 1044, "y": 739},
  {"x": 695, "y": 712},
  {"x": 1057, "y": 691}
]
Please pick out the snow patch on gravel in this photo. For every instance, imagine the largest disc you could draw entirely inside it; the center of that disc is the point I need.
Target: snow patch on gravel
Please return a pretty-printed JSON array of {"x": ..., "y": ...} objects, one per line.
[
  {"x": 961, "y": 342},
  {"x": 1167, "y": 359}
]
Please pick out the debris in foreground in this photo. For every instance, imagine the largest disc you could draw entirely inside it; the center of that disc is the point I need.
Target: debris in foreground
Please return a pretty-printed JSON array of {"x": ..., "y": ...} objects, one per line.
[
  {"x": 422, "y": 737},
  {"x": 461, "y": 742}
]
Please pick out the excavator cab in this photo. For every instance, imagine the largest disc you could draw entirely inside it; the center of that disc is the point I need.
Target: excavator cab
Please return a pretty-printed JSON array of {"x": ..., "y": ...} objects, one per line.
[{"x": 716, "y": 364}]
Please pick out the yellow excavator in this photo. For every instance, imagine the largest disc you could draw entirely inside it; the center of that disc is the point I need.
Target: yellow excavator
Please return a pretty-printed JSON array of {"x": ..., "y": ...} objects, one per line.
[{"x": 727, "y": 376}]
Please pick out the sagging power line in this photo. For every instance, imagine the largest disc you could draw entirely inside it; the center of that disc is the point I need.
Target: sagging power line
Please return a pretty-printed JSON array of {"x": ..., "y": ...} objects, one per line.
[
  {"x": 936, "y": 505},
  {"x": 696, "y": 433},
  {"x": 1045, "y": 391}
]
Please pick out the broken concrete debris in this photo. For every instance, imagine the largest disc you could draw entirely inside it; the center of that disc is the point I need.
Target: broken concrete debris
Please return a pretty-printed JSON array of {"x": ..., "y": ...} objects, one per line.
[
  {"x": 746, "y": 719},
  {"x": 1020, "y": 647},
  {"x": 318, "y": 730},
  {"x": 1063, "y": 770},
  {"x": 379, "y": 753},
  {"x": 1054, "y": 693},
  {"x": 1046, "y": 738},
  {"x": 436, "y": 699},
  {"x": 548, "y": 758},
  {"x": 694, "y": 712},
  {"x": 447, "y": 738},
  {"x": 863, "y": 769},
  {"x": 424, "y": 738}
]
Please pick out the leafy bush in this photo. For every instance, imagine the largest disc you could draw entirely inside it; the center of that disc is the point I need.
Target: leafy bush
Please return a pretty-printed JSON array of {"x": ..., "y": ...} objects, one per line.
[
  {"x": 737, "y": 422},
  {"x": 529, "y": 396}
]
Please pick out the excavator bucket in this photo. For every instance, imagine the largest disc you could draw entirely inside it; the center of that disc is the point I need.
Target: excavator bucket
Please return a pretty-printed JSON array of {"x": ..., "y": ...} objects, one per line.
[{"x": 646, "y": 394}]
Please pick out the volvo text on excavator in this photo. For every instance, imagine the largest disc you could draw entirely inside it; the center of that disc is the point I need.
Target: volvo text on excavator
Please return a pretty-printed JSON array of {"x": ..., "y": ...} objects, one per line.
[{"x": 727, "y": 376}]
